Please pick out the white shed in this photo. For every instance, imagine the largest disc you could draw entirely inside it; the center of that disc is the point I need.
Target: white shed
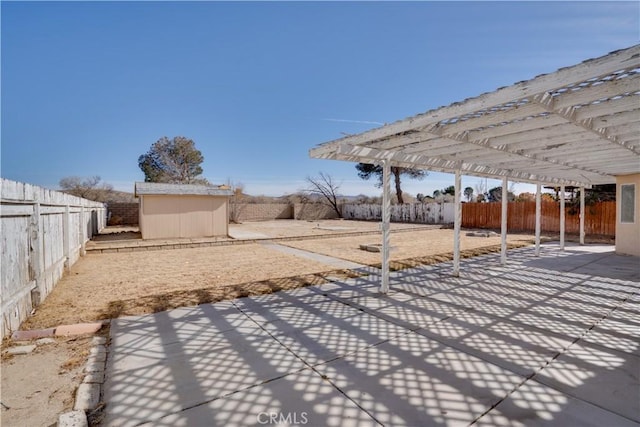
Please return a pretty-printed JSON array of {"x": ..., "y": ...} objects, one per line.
[{"x": 182, "y": 210}]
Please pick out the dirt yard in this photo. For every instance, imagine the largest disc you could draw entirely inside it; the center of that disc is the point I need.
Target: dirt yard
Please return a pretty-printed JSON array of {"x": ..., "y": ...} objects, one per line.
[
  {"x": 295, "y": 228},
  {"x": 100, "y": 285},
  {"x": 37, "y": 387},
  {"x": 108, "y": 285},
  {"x": 404, "y": 244}
]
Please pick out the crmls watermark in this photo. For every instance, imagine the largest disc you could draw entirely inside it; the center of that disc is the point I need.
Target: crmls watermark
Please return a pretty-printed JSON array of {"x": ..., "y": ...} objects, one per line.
[{"x": 288, "y": 418}]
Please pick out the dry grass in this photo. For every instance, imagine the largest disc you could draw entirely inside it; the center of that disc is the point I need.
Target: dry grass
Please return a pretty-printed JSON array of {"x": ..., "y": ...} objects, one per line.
[
  {"x": 103, "y": 286},
  {"x": 405, "y": 245}
]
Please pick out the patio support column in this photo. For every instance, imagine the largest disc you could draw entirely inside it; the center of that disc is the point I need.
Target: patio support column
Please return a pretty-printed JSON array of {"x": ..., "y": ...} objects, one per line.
[
  {"x": 457, "y": 219},
  {"x": 538, "y": 209},
  {"x": 503, "y": 223},
  {"x": 562, "y": 217},
  {"x": 386, "y": 217},
  {"x": 582, "y": 215}
]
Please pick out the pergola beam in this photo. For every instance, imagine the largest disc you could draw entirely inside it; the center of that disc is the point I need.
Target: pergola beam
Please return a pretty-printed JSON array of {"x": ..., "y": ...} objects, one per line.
[
  {"x": 371, "y": 155},
  {"x": 572, "y": 115}
]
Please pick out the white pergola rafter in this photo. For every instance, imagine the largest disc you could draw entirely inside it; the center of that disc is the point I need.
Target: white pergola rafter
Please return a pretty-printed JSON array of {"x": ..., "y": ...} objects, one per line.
[{"x": 578, "y": 126}]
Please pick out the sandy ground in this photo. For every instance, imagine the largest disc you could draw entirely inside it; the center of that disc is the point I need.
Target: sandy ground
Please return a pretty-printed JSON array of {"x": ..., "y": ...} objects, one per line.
[
  {"x": 98, "y": 281},
  {"x": 405, "y": 244},
  {"x": 37, "y": 387},
  {"x": 292, "y": 228},
  {"x": 109, "y": 285}
]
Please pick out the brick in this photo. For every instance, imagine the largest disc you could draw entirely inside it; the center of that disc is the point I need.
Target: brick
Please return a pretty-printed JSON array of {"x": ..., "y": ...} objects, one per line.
[
  {"x": 78, "y": 329},
  {"x": 87, "y": 397},
  {"x": 99, "y": 340},
  {"x": 73, "y": 419},
  {"x": 94, "y": 377},
  {"x": 22, "y": 349},
  {"x": 94, "y": 366},
  {"x": 97, "y": 357},
  {"x": 33, "y": 334}
]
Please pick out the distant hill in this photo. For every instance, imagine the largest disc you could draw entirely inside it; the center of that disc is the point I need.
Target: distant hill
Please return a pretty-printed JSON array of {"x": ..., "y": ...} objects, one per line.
[{"x": 106, "y": 196}]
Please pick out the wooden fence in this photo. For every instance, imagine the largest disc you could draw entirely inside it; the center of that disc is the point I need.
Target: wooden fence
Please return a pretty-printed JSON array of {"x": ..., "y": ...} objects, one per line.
[
  {"x": 599, "y": 219},
  {"x": 43, "y": 232}
]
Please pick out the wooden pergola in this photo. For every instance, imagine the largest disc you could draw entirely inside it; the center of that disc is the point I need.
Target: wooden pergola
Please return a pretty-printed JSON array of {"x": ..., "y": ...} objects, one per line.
[{"x": 577, "y": 126}]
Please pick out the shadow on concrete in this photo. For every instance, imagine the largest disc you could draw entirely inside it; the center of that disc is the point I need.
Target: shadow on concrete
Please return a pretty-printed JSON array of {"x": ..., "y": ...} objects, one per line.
[{"x": 524, "y": 344}]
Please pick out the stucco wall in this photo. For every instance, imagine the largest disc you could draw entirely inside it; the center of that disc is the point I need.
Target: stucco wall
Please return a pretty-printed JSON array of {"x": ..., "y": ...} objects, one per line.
[
  {"x": 240, "y": 212},
  {"x": 123, "y": 213},
  {"x": 628, "y": 234},
  {"x": 181, "y": 216}
]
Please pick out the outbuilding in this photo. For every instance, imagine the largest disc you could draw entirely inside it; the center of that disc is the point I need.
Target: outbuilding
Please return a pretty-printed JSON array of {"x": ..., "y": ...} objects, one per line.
[{"x": 182, "y": 210}]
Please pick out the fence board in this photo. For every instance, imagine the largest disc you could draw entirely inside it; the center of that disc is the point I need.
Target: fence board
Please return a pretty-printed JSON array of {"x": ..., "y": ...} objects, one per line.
[{"x": 423, "y": 213}]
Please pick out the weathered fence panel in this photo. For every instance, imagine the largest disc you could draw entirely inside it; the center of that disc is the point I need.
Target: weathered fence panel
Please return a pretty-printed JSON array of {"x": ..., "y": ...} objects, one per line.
[
  {"x": 423, "y": 213},
  {"x": 600, "y": 218},
  {"x": 43, "y": 232}
]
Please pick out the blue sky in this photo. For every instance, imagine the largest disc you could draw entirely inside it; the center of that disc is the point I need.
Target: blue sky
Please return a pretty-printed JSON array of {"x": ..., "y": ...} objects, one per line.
[{"x": 87, "y": 87}]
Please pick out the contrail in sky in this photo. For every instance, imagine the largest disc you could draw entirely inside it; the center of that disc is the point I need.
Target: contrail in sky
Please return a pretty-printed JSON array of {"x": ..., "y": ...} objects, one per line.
[{"x": 366, "y": 122}]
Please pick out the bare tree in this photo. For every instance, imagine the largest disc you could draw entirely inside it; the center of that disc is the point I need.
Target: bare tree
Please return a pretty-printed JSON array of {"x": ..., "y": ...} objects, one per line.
[
  {"x": 238, "y": 200},
  {"x": 367, "y": 170},
  {"x": 326, "y": 189},
  {"x": 89, "y": 188},
  {"x": 482, "y": 190},
  {"x": 468, "y": 193}
]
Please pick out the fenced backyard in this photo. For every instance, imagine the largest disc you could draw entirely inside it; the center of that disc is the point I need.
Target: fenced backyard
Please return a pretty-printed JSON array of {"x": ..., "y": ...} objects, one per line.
[{"x": 43, "y": 233}]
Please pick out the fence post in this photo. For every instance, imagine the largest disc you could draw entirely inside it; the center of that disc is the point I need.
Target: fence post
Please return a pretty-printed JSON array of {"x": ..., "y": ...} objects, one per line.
[
  {"x": 82, "y": 232},
  {"x": 36, "y": 257},
  {"x": 66, "y": 237}
]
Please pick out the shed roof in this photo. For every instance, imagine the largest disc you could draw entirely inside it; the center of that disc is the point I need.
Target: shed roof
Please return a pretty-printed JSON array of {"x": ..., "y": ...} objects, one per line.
[
  {"x": 153, "y": 188},
  {"x": 579, "y": 125}
]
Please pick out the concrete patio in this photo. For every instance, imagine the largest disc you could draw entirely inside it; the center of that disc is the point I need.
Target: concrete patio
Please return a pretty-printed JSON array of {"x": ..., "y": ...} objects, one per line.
[{"x": 552, "y": 340}]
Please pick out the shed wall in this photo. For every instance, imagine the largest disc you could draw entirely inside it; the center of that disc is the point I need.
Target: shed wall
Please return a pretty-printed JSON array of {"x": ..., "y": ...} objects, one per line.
[
  {"x": 628, "y": 234},
  {"x": 182, "y": 216}
]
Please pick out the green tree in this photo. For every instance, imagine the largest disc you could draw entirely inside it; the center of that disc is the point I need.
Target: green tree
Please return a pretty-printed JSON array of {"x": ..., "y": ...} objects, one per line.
[
  {"x": 174, "y": 161},
  {"x": 449, "y": 190},
  {"x": 468, "y": 193},
  {"x": 495, "y": 195},
  {"x": 366, "y": 171}
]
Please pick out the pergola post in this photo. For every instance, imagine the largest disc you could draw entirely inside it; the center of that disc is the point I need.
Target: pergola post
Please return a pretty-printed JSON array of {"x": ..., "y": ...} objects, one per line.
[
  {"x": 386, "y": 218},
  {"x": 562, "y": 217},
  {"x": 503, "y": 224},
  {"x": 538, "y": 214},
  {"x": 457, "y": 220},
  {"x": 582, "y": 215}
]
